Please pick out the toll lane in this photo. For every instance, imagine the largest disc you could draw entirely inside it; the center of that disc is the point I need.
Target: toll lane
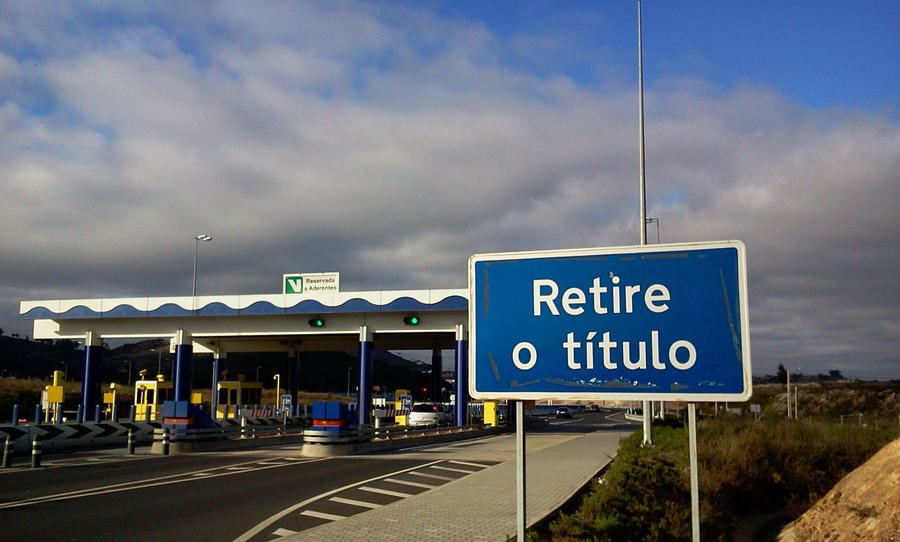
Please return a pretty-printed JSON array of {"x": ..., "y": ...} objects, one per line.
[
  {"x": 248, "y": 495},
  {"x": 369, "y": 494},
  {"x": 197, "y": 497}
]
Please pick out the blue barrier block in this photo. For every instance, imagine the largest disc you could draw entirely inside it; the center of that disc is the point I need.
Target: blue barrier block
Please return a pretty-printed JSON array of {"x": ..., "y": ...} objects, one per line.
[
  {"x": 333, "y": 410},
  {"x": 318, "y": 410},
  {"x": 186, "y": 414}
]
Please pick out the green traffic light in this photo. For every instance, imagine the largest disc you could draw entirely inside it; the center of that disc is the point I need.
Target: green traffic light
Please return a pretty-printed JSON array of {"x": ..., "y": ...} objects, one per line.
[
  {"x": 411, "y": 320},
  {"x": 317, "y": 322}
]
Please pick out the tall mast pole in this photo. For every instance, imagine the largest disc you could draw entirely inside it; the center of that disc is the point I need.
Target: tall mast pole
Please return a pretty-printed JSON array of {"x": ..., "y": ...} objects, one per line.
[
  {"x": 646, "y": 406},
  {"x": 642, "y": 169}
]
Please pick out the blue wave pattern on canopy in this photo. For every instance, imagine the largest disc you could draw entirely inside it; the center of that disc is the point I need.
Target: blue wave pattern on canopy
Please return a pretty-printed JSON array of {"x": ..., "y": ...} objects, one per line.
[{"x": 218, "y": 308}]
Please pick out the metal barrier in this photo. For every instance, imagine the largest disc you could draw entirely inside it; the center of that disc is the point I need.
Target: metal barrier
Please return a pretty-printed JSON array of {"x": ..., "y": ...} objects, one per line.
[
  {"x": 74, "y": 435},
  {"x": 251, "y": 430},
  {"x": 370, "y": 433}
]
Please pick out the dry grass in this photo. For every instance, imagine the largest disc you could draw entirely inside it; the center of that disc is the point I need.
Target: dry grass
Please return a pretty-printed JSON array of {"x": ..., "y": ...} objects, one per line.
[{"x": 746, "y": 468}]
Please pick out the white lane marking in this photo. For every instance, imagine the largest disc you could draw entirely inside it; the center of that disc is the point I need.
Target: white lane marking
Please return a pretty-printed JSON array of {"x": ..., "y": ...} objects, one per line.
[
  {"x": 451, "y": 469},
  {"x": 265, "y": 523},
  {"x": 354, "y": 502},
  {"x": 281, "y": 533},
  {"x": 321, "y": 515},
  {"x": 435, "y": 476},
  {"x": 466, "y": 463},
  {"x": 141, "y": 484},
  {"x": 61, "y": 463},
  {"x": 386, "y": 492},
  {"x": 409, "y": 483}
]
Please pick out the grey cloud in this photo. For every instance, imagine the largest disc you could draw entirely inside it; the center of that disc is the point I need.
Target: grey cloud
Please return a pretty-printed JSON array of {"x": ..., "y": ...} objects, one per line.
[{"x": 392, "y": 161}]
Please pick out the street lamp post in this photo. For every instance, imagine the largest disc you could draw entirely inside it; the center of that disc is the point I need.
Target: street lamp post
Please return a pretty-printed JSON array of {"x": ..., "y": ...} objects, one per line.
[
  {"x": 642, "y": 192},
  {"x": 277, "y": 379},
  {"x": 158, "y": 360},
  {"x": 197, "y": 239}
]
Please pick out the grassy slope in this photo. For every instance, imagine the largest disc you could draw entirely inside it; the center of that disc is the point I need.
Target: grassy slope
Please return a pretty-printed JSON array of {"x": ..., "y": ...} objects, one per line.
[{"x": 746, "y": 468}]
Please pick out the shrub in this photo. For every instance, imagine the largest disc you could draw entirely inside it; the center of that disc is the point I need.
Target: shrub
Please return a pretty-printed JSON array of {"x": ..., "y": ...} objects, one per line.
[{"x": 746, "y": 467}]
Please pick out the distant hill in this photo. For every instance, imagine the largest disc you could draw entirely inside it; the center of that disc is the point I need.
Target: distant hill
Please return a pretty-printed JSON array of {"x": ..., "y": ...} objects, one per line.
[{"x": 23, "y": 358}]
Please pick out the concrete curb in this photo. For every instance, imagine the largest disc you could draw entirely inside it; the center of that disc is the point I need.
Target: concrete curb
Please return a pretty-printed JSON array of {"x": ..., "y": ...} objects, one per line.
[{"x": 352, "y": 448}]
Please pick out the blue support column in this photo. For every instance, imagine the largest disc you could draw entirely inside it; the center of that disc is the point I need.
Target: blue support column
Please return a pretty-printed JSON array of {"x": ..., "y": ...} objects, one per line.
[
  {"x": 179, "y": 413},
  {"x": 184, "y": 366},
  {"x": 364, "y": 403},
  {"x": 461, "y": 362},
  {"x": 220, "y": 363},
  {"x": 90, "y": 375}
]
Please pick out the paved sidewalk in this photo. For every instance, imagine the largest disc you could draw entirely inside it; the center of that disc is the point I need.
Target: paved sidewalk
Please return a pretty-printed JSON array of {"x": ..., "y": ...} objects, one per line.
[{"x": 482, "y": 506}]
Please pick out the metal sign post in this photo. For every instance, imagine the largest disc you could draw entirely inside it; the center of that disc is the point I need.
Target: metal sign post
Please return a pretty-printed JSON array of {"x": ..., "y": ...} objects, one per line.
[
  {"x": 695, "y": 483},
  {"x": 520, "y": 471}
]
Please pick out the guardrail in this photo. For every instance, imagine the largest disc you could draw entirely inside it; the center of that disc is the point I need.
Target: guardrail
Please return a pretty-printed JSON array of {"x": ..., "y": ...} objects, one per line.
[
  {"x": 371, "y": 433},
  {"x": 245, "y": 431}
]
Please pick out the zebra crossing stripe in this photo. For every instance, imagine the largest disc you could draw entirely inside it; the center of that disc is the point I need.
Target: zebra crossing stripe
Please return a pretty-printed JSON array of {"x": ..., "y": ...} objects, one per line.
[
  {"x": 451, "y": 469},
  {"x": 321, "y": 515},
  {"x": 409, "y": 483},
  {"x": 466, "y": 463},
  {"x": 435, "y": 476},
  {"x": 354, "y": 502},
  {"x": 386, "y": 492}
]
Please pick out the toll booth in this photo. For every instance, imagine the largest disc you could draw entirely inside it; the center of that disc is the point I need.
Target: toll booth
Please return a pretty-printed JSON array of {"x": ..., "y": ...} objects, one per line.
[
  {"x": 237, "y": 393},
  {"x": 109, "y": 402},
  {"x": 150, "y": 394}
]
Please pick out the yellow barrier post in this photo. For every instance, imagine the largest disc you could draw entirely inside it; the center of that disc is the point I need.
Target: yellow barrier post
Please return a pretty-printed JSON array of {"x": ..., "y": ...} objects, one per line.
[{"x": 490, "y": 413}]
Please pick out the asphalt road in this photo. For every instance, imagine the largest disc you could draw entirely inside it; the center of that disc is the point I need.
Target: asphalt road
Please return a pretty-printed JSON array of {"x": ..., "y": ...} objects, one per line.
[{"x": 248, "y": 495}]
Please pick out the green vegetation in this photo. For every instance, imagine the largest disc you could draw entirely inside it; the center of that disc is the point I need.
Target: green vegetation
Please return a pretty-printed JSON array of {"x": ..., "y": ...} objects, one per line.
[{"x": 746, "y": 468}]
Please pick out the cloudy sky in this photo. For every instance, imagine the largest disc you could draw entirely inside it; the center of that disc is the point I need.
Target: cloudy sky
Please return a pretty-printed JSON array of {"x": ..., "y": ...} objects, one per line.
[{"x": 390, "y": 140}]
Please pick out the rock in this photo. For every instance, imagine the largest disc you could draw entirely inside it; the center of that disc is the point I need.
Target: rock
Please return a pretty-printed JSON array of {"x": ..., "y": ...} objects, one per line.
[{"x": 865, "y": 505}]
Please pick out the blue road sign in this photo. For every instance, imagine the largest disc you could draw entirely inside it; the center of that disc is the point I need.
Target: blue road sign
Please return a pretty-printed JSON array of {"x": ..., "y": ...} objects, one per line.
[{"x": 661, "y": 322}]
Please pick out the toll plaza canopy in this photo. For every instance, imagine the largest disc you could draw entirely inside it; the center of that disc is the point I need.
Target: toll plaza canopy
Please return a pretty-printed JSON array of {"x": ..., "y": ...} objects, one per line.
[{"x": 292, "y": 323}]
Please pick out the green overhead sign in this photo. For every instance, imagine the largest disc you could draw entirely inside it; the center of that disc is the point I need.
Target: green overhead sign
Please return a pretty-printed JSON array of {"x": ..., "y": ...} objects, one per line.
[{"x": 311, "y": 283}]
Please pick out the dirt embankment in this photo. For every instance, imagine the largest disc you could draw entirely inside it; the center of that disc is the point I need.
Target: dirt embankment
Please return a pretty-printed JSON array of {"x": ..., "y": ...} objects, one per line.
[{"x": 865, "y": 505}]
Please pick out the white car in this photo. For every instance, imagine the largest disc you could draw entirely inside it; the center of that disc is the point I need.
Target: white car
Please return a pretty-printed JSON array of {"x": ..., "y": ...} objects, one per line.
[{"x": 429, "y": 414}]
